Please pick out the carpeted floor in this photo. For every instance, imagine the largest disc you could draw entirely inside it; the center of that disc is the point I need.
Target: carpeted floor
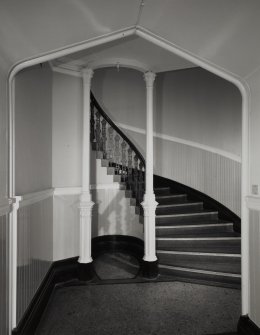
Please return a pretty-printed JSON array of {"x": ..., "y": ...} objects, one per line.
[
  {"x": 159, "y": 308},
  {"x": 116, "y": 303},
  {"x": 116, "y": 265}
]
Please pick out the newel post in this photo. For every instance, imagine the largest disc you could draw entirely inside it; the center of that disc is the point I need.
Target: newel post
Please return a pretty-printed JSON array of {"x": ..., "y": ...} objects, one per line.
[
  {"x": 150, "y": 264},
  {"x": 86, "y": 204}
]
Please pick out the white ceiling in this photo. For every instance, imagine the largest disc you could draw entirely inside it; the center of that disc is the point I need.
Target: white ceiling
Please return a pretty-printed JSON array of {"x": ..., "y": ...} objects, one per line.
[
  {"x": 132, "y": 52},
  {"x": 222, "y": 32}
]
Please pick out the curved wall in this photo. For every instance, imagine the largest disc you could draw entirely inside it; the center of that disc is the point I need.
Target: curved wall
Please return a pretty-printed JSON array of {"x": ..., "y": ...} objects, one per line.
[{"x": 193, "y": 106}]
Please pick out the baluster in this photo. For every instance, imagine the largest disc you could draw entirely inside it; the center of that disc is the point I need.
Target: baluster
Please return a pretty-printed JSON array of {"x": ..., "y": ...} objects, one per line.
[
  {"x": 136, "y": 177},
  {"x": 123, "y": 146},
  {"x": 92, "y": 125},
  {"x": 104, "y": 138},
  {"x": 117, "y": 154},
  {"x": 141, "y": 181},
  {"x": 98, "y": 132},
  {"x": 110, "y": 147},
  {"x": 130, "y": 168}
]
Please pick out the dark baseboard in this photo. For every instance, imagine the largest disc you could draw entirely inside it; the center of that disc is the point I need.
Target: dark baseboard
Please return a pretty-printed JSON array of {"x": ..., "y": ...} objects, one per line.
[
  {"x": 149, "y": 269},
  {"x": 67, "y": 270},
  {"x": 86, "y": 271},
  {"x": 209, "y": 203},
  {"x": 247, "y": 327},
  {"x": 59, "y": 272}
]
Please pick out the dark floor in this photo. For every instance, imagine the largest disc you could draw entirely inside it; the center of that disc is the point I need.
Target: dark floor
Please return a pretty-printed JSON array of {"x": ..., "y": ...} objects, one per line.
[{"x": 139, "y": 308}]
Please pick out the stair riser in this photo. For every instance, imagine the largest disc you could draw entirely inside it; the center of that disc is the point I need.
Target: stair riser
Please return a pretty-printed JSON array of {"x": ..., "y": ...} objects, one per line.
[
  {"x": 177, "y": 209},
  {"x": 172, "y": 232},
  {"x": 117, "y": 178},
  {"x": 223, "y": 246},
  {"x": 171, "y": 200},
  {"x": 197, "y": 276},
  {"x": 110, "y": 171},
  {"x": 164, "y": 232},
  {"x": 163, "y": 191},
  {"x": 211, "y": 263},
  {"x": 186, "y": 219}
]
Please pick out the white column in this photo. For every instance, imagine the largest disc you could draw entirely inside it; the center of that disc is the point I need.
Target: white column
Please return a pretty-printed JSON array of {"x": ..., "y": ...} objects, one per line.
[
  {"x": 86, "y": 203},
  {"x": 13, "y": 258},
  {"x": 149, "y": 204}
]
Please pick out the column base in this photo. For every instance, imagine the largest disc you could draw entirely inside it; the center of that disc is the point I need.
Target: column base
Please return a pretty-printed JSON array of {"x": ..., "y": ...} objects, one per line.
[
  {"x": 149, "y": 269},
  {"x": 86, "y": 271}
]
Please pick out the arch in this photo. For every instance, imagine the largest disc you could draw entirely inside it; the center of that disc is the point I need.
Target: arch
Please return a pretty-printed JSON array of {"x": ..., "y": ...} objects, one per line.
[{"x": 149, "y": 36}]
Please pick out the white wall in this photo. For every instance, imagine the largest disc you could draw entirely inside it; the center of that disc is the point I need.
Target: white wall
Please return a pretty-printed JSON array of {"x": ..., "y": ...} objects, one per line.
[
  {"x": 191, "y": 104},
  {"x": 34, "y": 248},
  {"x": 254, "y": 222},
  {"x": 254, "y": 249},
  {"x": 4, "y": 217},
  {"x": 33, "y": 130},
  {"x": 121, "y": 94},
  {"x": 3, "y": 137},
  {"x": 112, "y": 213},
  {"x": 208, "y": 172},
  {"x": 67, "y": 131},
  {"x": 198, "y": 106}
]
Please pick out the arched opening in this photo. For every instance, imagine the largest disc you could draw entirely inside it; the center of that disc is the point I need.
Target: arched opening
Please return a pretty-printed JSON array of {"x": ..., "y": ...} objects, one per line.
[{"x": 244, "y": 137}]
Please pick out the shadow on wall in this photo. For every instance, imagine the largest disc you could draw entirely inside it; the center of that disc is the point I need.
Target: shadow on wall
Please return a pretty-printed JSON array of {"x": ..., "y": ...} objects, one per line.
[{"x": 113, "y": 214}]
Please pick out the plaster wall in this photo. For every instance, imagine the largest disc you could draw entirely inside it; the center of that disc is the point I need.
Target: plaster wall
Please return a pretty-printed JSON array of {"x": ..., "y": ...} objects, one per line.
[{"x": 33, "y": 130}]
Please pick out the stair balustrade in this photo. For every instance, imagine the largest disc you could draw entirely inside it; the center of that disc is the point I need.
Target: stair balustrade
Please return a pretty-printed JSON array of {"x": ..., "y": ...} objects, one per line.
[{"x": 113, "y": 145}]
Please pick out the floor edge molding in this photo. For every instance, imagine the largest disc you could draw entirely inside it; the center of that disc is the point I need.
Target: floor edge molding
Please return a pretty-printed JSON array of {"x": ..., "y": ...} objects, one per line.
[
  {"x": 64, "y": 271},
  {"x": 59, "y": 272},
  {"x": 247, "y": 327}
]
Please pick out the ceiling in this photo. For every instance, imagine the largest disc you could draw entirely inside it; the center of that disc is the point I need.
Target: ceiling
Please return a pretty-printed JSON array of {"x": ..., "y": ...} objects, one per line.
[
  {"x": 133, "y": 52},
  {"x": 223, "y": 33}
]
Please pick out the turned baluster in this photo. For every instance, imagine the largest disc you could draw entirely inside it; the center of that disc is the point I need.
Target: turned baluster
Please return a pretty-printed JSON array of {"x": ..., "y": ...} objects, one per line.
[
  {"x": 136, "y": 176},
  {"x": 141, "y": 180},
  {"x": 104, "y": 138},
  {"x": 130, "y": 168},
  {"x": 98, "y": 132},
  {"x": 117, "y": 154},
  {"x": 110, "y": 146},
  {"x": 123, "y": 146},
  {"x": 92, "y": 125}
]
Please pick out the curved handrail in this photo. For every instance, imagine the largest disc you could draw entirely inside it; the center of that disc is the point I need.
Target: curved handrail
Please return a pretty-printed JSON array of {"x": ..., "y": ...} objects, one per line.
[{"x": 118, "y": 130}]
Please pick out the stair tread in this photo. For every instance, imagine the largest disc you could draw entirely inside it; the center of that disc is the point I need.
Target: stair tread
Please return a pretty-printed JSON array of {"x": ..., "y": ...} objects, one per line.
[
  {"x": 199, "y": 225},
  {"x": 194, "y": 212},
  {"x": 209, "y": 272},
  {"x": 196, "y": 253},
  {"x": 180, "y": 204},
  {"x": 192, "y": 223},
  {"x": 216, "y": 237},
  {"x": 227, "y": 266},
  {"x": 172, "y": 195}
]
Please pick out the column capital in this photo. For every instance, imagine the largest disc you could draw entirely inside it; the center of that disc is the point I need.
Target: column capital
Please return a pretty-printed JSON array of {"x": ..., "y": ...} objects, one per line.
[
  {"x": 149, "y": 78},
  {"x": 87, "y": 74}
]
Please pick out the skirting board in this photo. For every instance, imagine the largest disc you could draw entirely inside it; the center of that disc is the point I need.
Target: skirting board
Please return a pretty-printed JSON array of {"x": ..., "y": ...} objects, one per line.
[
  {"x": 247, "y": 327},
  {"x": 69, "y": 269},
  {"x": 59, "y": 272}
]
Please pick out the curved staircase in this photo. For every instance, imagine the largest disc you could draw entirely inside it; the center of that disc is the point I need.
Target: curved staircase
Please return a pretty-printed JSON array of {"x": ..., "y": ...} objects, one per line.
[{"x": 194, "y": 243}]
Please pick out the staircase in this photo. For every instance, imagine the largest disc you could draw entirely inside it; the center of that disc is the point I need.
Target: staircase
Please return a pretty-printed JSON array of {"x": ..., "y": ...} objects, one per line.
[{"x": 193, "y": 243}]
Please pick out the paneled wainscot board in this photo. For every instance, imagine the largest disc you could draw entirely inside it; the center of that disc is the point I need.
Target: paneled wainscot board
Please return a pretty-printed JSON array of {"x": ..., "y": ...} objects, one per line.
[
  {"x": 214, "y": 172},
  {"x": 34, "y": 245}
]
